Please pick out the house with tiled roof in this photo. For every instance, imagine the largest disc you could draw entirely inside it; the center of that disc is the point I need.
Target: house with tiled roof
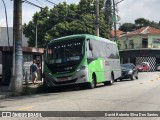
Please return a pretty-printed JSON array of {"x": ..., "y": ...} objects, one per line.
[
  {"x": 118, "y": 33},
  {"x": 142, "y": 45}
]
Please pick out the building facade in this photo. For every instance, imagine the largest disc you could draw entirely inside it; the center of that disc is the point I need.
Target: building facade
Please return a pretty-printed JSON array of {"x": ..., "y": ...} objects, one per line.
[
  {"x": 6, "y": 57},
  {"x": 142, "y": 45}
]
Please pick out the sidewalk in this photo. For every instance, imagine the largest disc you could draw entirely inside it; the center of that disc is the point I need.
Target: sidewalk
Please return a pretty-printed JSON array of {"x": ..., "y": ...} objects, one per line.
[
  {"x": 4, "y": 92},
  {"x": 27, "y": 89}
]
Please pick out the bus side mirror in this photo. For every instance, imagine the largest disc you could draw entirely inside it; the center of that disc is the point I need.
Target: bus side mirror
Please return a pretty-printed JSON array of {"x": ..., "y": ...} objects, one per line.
[{"x": 90, "y": 46}]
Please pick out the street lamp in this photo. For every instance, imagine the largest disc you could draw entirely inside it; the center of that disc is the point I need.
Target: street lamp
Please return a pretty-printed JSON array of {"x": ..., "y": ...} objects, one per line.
[
  {"x": 36, "y": 31},
  {"x": 114, "y": 22},
  {"x": 36, "y": 34},
  {"x": 97, "y": 18},
  {"x": 6, "y": 21}
]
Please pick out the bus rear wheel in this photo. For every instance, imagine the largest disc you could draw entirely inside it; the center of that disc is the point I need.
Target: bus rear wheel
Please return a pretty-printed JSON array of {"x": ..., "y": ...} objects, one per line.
[{"x": 110, "y": 82}]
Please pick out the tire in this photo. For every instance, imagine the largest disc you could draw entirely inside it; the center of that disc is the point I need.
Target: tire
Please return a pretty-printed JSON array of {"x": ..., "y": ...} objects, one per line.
[
  {"x": 110, "y": 82},
  {"x": 133, "y": 77},
  {"x": 47, "y": 89},
  {"x": 92, "y": 85}
]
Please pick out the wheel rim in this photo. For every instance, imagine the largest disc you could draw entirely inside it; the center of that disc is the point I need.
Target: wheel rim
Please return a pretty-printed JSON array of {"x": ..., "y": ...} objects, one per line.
[
  {"x": 93, "y": 82},
  {"x": 112, "y": 81}
]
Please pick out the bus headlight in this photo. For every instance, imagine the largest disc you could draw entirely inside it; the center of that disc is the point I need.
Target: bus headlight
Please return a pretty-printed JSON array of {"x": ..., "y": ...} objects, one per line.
[{"x": 81, "y": 68}]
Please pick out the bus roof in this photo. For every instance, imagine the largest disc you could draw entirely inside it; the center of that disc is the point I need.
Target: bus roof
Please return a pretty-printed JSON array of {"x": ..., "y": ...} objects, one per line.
[{"x": 83, "y": 35}]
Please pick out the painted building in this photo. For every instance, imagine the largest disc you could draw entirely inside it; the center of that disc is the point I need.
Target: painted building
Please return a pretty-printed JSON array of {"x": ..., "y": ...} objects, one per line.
[
  {"x": 142, "y": 45},
  {"x": 6, "y": 56}
]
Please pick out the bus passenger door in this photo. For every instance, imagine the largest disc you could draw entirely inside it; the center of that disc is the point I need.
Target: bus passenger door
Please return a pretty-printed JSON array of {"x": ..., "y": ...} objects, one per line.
[{"x": 89, "y": 59}]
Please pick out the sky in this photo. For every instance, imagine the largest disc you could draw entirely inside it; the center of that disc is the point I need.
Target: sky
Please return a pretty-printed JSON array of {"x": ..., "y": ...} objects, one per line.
[{"x": 128, "y": 10}]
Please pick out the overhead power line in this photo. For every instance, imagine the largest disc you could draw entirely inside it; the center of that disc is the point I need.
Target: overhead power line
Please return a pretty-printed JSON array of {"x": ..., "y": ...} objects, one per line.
[
  {"x": 68, "y": 10},
  {"x": 28, "y": 2}
]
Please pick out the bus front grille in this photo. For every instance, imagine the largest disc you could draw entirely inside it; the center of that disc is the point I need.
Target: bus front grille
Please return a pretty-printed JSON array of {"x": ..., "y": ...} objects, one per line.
[{"x": 65, "y": 82}]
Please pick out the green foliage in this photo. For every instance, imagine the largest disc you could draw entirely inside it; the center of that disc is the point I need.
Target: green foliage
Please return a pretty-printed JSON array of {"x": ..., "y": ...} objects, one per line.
[
  {"x": 41, "y": 88},
  {"x": 127, "y": 27},
  {"x": 64, "y": 19},
  {"x": 26, "y": 90},
  {"x": 118, "y": 44},
  {"x": 140, "y": 22}
]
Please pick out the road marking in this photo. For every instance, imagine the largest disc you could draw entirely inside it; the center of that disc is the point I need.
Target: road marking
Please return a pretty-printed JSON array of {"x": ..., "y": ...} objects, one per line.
[{"x": 27, "y": 107}]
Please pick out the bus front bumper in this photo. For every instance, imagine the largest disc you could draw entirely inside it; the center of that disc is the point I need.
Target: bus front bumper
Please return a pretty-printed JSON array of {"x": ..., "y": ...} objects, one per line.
[{"x": 77, "y": 78}]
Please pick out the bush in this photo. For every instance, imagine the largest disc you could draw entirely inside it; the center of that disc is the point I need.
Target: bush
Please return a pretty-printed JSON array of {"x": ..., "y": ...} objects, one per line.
[
  {"x": 41, "y": 88},
  {"x": 26, "y": 90}
]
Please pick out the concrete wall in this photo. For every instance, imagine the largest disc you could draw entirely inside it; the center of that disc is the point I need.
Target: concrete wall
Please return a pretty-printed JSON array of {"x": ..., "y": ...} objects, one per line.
[{"x": 4, "y": 38}]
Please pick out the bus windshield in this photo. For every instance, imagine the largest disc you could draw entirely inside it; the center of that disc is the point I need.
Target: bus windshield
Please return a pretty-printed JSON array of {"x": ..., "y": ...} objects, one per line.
[{"x": 65, "y": 51}]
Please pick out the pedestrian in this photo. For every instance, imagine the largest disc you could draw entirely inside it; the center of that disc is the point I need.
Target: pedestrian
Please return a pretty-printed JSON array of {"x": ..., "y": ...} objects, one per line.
[{"x": 33, "y": 70}]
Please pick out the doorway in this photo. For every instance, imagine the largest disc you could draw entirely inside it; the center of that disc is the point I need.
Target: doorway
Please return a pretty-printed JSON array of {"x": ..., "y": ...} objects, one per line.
[{"x": 144, "y": 42}]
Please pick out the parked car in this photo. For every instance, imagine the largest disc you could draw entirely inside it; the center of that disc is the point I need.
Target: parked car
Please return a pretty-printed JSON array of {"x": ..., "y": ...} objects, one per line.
[
  {"x": 144, "y": 66},
  {"x": 158, "y": 67},
  {"x": 129, "y": 71}
]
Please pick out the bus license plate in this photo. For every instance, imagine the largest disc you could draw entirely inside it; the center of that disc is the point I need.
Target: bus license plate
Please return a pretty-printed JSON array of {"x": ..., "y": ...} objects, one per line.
[{"x": 63, "y": 79}]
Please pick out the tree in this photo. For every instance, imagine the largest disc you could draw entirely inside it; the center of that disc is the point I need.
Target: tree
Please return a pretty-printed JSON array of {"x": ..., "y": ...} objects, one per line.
[
  {"x": 140, "y": 22},
  {"x": 40, "y": 19},
  {"x": 64, "y": 19},
  {"x": 127, "y": 27}
]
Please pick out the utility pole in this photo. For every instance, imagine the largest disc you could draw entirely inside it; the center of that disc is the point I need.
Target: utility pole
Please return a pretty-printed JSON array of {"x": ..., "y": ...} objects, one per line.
[
  {"x": 97, "y": 18},
  {"x": 114, "y": 14},
  {"x": 17, "y": 76}
]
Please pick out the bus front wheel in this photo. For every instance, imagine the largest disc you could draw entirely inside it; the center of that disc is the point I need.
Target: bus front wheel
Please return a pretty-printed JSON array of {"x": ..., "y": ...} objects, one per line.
[{"x": 93, "y": 83}]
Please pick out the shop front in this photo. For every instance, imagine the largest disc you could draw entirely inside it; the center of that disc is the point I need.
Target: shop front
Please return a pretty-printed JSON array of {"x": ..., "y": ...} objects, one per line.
[
  {"x": 152, "y": 56},
  {"x": 29, "y": 54}
]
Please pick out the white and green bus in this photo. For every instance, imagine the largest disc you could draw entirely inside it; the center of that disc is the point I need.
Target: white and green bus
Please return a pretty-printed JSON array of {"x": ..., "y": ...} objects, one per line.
[{"x": 80, "y": 59}]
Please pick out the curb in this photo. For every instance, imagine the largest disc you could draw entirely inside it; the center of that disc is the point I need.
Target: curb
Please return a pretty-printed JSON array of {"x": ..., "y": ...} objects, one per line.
[
  {"x": 6, "y": 94},
  {"x": 2, "y": 97}
]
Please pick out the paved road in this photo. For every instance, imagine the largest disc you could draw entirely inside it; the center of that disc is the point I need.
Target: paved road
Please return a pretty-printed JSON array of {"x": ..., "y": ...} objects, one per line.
[{"x": 138, "y": 95}]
